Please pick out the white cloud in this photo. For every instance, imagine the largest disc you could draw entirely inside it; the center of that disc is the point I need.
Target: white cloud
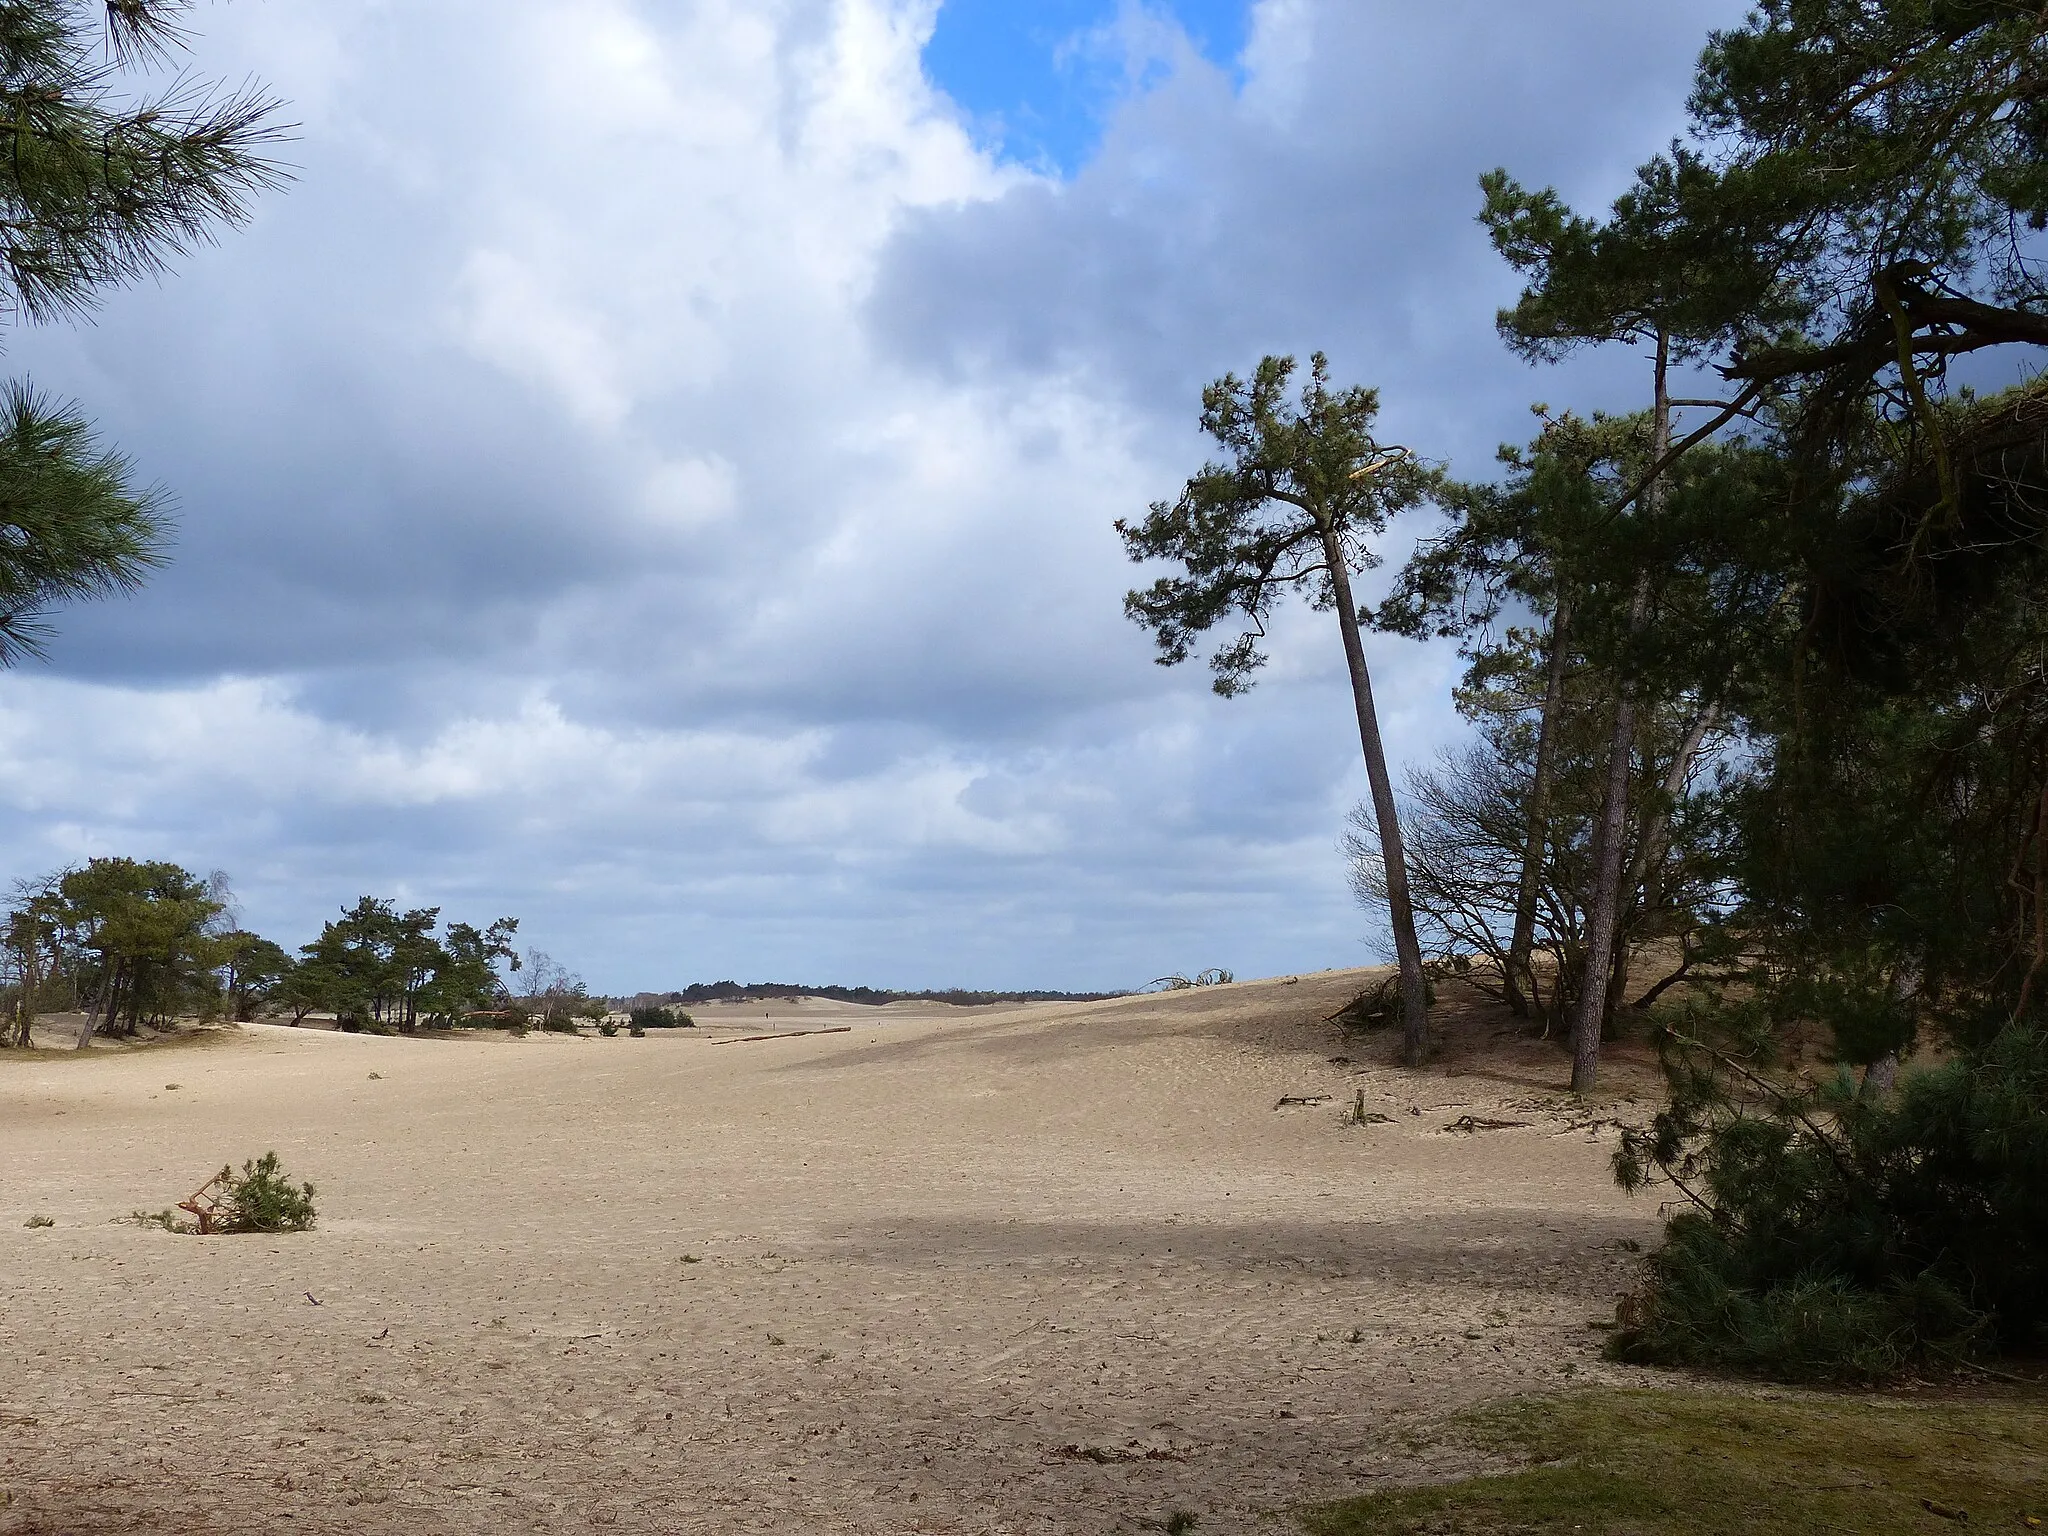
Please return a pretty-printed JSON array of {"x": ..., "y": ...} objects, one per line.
[{"x": 511, "y": 319}]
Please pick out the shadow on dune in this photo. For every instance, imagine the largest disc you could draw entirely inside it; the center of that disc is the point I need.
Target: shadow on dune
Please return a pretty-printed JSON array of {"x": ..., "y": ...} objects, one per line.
[
  {"x": 1023, "y": 1038},
  {"x": 1529, "y": 1250}
]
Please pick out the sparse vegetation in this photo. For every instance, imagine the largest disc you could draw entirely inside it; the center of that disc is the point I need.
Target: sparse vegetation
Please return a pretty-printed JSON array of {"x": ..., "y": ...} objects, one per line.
[
  {"x": 1379, "y": 1005},
  {"x": 1216, "y": 976},
  {"x": 260, "y": 1199},
  {"x": 40, "y": 1221},
  {"x": 1839, "y": 1235},
  {"x": 658, "y": 1017},
  {"x": 872, "y": 997},
  {"x": 1715, "y": 1463}
]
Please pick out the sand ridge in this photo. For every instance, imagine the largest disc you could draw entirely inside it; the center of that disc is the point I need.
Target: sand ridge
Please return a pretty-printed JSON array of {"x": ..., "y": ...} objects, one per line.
[{"x": 1046, "y": 1268}]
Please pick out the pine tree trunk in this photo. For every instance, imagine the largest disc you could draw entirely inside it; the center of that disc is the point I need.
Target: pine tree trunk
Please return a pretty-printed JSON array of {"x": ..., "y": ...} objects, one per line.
[
  {"x": 105, "y": 996},
  {"x": 1879, "y": 1077},
  {"x": 1400, "y": 911},
  {"x": 31, "y": 984},
  {"x": 1535, "y": 835},
  {"x": 1652, "y": 839},
  {"x": 1603, "y": 913},
  {"x": 1656, "y": 829}
]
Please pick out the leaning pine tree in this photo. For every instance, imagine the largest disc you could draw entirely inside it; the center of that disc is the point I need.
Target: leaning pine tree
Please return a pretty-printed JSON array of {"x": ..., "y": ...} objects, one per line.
[{"x": 1304, "y": 488}]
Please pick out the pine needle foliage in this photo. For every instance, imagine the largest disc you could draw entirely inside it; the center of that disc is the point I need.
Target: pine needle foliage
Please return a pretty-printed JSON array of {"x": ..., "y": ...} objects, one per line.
[
  {"x": 262, "y": 1199},
  {"x": 98, "y": 189},
  {"x": 1300, "y": 481},
  {"x": 71, "y": 524},
  {"x": 1839, "y": 1236}
]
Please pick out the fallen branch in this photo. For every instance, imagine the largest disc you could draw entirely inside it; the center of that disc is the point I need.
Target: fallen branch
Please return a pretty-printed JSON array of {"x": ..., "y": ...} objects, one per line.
[
  {"x": 1466, "y": 1124},
  {"x": 1307, "y": 1100},
  {"x": 1104, "y": 1458},
  {"x": 1360, "y": 1115},
  {"x": 794, "y": 1034}
]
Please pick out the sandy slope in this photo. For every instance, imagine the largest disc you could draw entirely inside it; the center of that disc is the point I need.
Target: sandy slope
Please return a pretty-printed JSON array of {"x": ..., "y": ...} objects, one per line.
[{"x": 933, "y": 1251}]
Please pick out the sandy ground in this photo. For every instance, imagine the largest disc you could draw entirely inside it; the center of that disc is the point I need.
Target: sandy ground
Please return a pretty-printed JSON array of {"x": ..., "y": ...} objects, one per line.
[{"x": 1046, "y": 1269}]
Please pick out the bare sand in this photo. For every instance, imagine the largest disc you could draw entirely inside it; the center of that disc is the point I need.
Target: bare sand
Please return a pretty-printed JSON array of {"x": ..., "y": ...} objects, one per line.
[{"x": 1058, "y": 1268}]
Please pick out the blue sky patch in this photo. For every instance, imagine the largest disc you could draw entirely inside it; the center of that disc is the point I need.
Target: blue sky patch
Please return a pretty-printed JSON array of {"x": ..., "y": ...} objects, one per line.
[{"x": 1039, "y": 78}]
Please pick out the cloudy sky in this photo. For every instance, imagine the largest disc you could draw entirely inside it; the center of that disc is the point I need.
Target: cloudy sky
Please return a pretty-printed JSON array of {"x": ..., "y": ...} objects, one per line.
[{"x": 652, "y": 474}]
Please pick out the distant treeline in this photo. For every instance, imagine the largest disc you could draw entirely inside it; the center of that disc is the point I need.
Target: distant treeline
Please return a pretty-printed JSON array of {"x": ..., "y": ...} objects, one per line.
[{"x": 733, "y": 992}]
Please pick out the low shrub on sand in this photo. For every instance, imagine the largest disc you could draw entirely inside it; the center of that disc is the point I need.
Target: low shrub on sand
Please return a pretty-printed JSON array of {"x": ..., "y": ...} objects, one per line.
[
  {"x": 1832, "y": 1235},
  {"x": 661, "y": 1018},
  {"x": 262, "y": 1199}
]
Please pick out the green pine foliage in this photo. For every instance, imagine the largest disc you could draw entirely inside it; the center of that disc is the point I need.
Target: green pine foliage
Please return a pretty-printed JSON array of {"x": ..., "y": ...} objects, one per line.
[
  {"x": 74, "y": 524},
  {"x": 261, "y": 1198},
  {"x": 646, "y": 1018},
  {"x": 98, "y": 191},
  {"x": 1836, "y": 1235}
]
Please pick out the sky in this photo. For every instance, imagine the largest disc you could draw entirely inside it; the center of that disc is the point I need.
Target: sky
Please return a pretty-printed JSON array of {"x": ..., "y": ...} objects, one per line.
[{"x": 653, "y": 472}]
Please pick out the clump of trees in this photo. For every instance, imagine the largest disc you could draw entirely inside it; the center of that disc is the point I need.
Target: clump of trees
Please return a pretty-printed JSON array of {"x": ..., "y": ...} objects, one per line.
[
  {"x": 1756, "y": 675},
  {"x": 390, "y": 972},
  {"x": 133, "y": 943},
  {"x": 127, "y": 942},
  {"x": 655, "y": 1016}
]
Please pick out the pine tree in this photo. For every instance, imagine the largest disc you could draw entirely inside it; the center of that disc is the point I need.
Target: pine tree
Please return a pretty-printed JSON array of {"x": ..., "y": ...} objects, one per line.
[{"x": 1305, "y": 486}]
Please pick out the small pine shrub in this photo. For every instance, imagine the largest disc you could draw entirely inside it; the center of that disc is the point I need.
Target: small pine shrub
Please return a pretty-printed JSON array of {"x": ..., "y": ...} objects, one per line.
[
  {"x": 1837, "y": 1237},
  {"x": 262, "y": 1199},
  {"x": 607, "y": 1027},
  {"x": 645, "y": 1018}
]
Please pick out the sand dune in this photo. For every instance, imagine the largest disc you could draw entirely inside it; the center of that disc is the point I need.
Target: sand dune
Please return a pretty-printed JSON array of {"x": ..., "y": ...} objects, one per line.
[{"x": 1056, "y": 1268}]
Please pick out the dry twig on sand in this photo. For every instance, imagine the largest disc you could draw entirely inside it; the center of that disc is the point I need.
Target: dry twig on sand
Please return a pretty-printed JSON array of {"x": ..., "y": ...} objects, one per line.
[
  {"x": 1465, "y": 1125},
  {"x": 793, "y": 1034}
]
